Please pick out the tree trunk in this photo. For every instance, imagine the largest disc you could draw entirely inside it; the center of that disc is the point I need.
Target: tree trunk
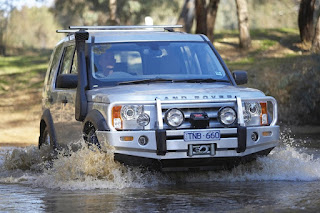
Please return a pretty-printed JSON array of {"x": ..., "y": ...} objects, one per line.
[
  {"x": 114, "y": 20},
  {"x": 201, "y": 15},
  {"x": 316, "y": 37},
  {"x": 211, "y": 18},
  {"x": 305, "y": 20},
  {"x": 187, "y": 15},
  {"x": 243, "y": 23}
]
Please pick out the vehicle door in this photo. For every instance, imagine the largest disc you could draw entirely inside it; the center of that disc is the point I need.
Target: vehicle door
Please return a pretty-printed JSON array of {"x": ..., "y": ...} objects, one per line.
[{"x": 67, "y": 128}]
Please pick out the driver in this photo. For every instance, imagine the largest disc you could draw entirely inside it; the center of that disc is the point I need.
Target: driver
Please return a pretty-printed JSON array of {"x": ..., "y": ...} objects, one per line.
[{"x": 106, "y": 63}]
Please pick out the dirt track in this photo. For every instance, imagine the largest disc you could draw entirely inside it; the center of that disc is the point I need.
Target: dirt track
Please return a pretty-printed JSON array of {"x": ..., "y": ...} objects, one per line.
[{"x": 20, "y": 113}]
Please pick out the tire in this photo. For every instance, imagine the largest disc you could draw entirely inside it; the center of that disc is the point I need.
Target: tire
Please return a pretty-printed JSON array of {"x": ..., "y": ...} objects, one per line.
[
  {"x": 90, "y": 136},
  {"x": 47, "y": 148}
]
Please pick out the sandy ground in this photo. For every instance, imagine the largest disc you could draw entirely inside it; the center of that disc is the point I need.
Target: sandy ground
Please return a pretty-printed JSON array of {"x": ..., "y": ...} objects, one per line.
[{"x": 20, "y": 115}]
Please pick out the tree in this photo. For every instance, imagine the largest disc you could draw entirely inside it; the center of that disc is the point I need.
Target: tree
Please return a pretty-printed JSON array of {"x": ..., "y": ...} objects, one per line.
[
  {"x": 211, "y": 18},
  {"x": 114, "y": 20},
  {"x": 305, "y": 20},
  {"x": 187, "y": 15},
  {"x": 316, "y": 37},
  {"x": 5, "y": 9},
  {"x": 77, "y": 12},
  {"x": 31, "y": 33},
  {"x": 111, "y": 12},
  {"x": 243, "y": 24},
  {"x": 206, "y": 17},
  {"x": 3, "y": 23},
  {"x": 201, "y": 12}
]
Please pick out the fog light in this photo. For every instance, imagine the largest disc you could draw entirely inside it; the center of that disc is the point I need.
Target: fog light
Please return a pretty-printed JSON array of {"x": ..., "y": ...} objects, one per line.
[
  {"x": 174, "y": 117},
  {"x": 227, "y": 116},
  {"x": 254, "y": 136},
  {"x": 143, "y": 140}
]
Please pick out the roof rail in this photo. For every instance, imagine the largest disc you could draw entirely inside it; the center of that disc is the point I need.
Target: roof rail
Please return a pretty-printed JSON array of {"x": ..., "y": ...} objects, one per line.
[{"x": 74, "y": 29}]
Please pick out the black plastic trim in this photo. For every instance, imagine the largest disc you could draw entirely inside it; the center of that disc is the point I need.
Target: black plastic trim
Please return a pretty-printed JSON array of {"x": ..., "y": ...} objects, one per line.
[
  {"x": 161, "y": 141},
  {"x": 242, "y": 139},
  {"x": 96, "y": 118},
  {"x": 81, "y": 105}
]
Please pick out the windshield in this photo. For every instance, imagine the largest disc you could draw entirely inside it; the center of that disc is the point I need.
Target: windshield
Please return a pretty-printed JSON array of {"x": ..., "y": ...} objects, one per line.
[{"x": 144, "y": 62}]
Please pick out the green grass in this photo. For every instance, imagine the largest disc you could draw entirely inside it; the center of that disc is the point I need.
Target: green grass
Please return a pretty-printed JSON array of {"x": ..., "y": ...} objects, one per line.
[
  {"x": 22, "y": 64},
  {"x": 22, "y": 72},
  {"x": 266, "y": 44}
]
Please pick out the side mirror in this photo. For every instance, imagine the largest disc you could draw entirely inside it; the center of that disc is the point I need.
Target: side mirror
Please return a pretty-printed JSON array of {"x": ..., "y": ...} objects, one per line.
[
  {"x": 241, "y": 77},
  {"x": 67, "y": 81}
]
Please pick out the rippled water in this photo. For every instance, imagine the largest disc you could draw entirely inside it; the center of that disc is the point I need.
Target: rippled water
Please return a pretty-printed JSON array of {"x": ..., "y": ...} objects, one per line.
[{"x": 287, "y": 179}]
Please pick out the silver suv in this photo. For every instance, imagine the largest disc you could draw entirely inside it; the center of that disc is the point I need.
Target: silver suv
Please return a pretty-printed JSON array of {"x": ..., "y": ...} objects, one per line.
[{"x": 158, "y": 98}]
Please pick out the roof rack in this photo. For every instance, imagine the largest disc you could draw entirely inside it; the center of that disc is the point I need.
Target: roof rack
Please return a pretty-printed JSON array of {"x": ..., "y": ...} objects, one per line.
[{"x": 74, "y": 29}]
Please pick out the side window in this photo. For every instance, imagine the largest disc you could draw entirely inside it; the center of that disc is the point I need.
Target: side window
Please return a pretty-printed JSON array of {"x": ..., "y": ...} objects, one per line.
[
  {"x": 68, "y": 64},
  {"x": 74, "y": 67},
  {"x": 67, "y": 60},
  {"x": 55, "y": 63}
]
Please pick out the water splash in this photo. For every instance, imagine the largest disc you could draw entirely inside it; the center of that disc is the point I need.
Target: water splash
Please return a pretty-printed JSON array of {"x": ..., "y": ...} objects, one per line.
[
  {"x": 91, "y": 169},
  {"x": 85, "y": 169}
]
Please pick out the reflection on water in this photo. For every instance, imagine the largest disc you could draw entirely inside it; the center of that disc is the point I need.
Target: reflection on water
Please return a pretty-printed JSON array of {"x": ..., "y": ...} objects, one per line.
[{"x": 88, "y": 180}]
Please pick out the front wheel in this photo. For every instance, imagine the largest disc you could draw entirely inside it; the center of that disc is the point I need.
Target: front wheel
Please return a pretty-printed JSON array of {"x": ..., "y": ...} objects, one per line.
[{"x": 90, "y": 136}]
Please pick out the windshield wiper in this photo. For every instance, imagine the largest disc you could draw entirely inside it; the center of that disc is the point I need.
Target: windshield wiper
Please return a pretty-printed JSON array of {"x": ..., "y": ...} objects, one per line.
[
  {"x": 142, "y": 81},
  {"x": 202, "y": 80}
]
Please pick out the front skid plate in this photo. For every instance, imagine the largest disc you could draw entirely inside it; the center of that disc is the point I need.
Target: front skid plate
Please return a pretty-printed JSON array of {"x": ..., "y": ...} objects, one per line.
[{"x": 194, "y": 164}]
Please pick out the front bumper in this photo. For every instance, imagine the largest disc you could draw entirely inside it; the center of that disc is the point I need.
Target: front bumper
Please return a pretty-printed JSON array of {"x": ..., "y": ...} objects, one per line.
[{"x": 170, "y": 145}]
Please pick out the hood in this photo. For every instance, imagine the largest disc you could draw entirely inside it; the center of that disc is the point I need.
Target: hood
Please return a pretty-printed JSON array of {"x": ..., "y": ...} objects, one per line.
[{"x": 170, "y": 91}]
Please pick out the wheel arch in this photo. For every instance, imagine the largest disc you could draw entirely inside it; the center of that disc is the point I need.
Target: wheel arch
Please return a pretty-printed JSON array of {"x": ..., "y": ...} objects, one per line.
[{"x": 96, "y": 119}]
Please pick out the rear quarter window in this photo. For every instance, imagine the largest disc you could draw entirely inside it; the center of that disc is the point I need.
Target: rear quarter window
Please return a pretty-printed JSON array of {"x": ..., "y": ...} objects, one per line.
[{"x": 55, "y": 62}]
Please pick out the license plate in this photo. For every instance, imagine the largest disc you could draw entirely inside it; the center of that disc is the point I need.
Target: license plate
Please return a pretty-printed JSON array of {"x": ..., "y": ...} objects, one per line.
[{"x": 204, "y": 135}]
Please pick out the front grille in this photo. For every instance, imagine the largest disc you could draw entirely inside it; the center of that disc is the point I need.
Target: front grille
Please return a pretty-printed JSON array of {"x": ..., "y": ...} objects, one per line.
[{"x": 211, "y": 109}]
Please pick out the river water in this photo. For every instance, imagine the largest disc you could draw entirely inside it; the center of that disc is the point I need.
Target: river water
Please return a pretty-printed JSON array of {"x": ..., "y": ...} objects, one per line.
[{"x": 287, "y": 180}]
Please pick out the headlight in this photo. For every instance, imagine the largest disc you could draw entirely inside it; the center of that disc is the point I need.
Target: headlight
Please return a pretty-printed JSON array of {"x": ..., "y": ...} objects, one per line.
[
  {"x": 174, "y": 117},
  {"x": 227, "y": 116},
  {"x": 255, "y": 113},
  {"x": 253, "y": 108},
  {"x": 129, "y": 117},
  {"x": 131, "y": 112}
]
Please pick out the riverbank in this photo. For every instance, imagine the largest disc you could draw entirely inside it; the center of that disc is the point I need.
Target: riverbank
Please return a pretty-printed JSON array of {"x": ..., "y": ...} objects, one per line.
[{"x": 280, "y": 66}]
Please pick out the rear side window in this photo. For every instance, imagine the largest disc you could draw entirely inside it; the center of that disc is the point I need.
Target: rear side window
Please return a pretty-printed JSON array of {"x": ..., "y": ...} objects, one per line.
[
  {"x": 67, "y": 60},
  {"x": 54, "y": 63},
  {"x": 74, "y": 67}
]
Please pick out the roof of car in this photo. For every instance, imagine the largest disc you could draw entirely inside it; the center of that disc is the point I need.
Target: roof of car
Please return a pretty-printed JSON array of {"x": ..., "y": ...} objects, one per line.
[
  {"x": 140, "y": 36},
  {"x": 133, "y": 35}
]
